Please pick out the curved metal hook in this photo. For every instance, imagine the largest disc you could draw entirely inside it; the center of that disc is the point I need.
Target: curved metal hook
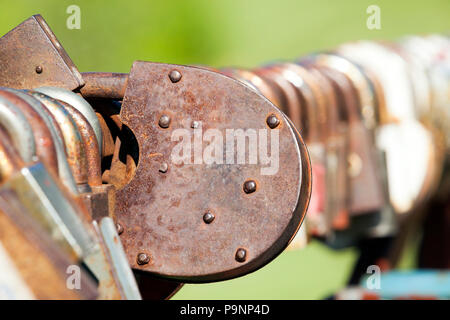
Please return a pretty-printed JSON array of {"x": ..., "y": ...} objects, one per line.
[{"x": 78, "y": 103}]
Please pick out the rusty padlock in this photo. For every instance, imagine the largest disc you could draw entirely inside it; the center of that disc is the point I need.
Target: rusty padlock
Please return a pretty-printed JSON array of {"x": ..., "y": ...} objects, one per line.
[
  {"x": 43, "y": 269},
  {"x": 64, "y": 171},
  {"x": 212, "y": 213},
  {"x": 33, "y": 233}
]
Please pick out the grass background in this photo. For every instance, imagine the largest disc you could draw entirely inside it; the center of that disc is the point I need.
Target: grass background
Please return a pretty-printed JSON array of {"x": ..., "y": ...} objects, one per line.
[{"x": 233, "y": 33}]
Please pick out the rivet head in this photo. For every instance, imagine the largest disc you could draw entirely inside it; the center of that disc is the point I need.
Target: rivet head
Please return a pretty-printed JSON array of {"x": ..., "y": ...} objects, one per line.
[
  {"x": 175, "y": 76},
  {"x": 272, "y": 121},
  {"x": 208, "y": 217},
  {"x": 241, "y": 255},
  {"x": 119, "y": 228},
  {"x": 164, "y": 121},
  {"x": 39, "y": 69},
  {"x": 195, "y": 124},
  {"x": 143, "y": 258},
  {"x": 249, "y": 186},
  {"x": 163, "y": 168}
]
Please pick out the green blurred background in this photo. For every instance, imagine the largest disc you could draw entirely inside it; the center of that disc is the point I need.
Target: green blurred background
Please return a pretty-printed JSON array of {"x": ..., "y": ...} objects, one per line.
[{"x": 234, "y": 33}]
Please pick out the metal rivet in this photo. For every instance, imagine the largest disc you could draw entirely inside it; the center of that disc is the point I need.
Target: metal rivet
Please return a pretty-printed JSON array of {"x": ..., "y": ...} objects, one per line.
[
  {"x": 208, "y": 217},
  {"x": 241, "y": 255},
  {"x": 249, "y": 186},
  {"x": 164, "y": 121},
  {"x": 143, "y": 258},
  {"x": 163, "y": 168},
  {"x": 195, "y": 124},
  {"x": 39, "y": 69},
  {"x": 272, "y": 121},
  {"x": 119, "y": 228},
  {"x": 175, "y": 76}
]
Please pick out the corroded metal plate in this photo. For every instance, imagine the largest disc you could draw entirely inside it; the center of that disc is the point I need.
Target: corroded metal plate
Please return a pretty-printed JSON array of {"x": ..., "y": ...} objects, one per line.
[
  {"x": 31, "y": 56},
  {"x": 162, "y": 208}
]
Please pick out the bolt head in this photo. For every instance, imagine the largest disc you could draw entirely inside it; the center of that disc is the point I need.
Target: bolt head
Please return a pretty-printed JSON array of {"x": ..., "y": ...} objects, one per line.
[
  {"x": 143, "y": 258},
  {"x": 241, "y": 255},
  {"x": 119, "y": 228},
  {"x": 164, "y": 121},
  {"x": 208, "y": 217},
  {"x": 272, "y": 121},
  {"x": 163, "y": 168},
  {"x": 175, "y": 76},
  {"x": 39, "y": 69},
  {"x": 249, "y": 186}
]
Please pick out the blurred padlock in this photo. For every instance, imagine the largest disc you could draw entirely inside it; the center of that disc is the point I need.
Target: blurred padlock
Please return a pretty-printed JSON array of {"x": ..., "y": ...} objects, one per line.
[
  {"x": 98, "y": 197},
  {"x": 22, "y": 201},
  {"x": 40, "y": 268},
  {"x": 336, "y": 149},
  {"x": 400, "y": 135},
  {"x": 64, "y": 171},
  {"x": 45, "y": 147},
  {"x": 61, "y": 216}
]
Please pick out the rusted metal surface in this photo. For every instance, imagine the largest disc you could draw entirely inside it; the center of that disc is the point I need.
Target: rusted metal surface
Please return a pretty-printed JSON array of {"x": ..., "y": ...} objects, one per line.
[
  {"x": 104, "y": 85},
  {"x": 308, "y": 122},
  {"x": 269, "y": 88},
  {"x": 76, "y": 101},
  {"x": 101, "y": 201},
  {"x": 94, "y": 172},
  {"x": 121, "y": 163},
  {"x": 31, "y": 56},
  {"x": 292, "y": 101},
  {"x": 253, "y": 80},
  {"x": 40, "y": 262},
  {"x": 336, "y": 209},
  {"x": 162, "y": 213},
  {"x": 45, "y": 148},
  {"x": 64, "y": 171},
  {"x": 72, "y": 139},
  {"x": 66, "y": 220},
  {"x": 366, "y": 193},
  {"x": 123, "y": 274},
  {"x": 108, "y": 141},
  {"x": 10, "y": 160},
  {"x": 18, "y": 128}
]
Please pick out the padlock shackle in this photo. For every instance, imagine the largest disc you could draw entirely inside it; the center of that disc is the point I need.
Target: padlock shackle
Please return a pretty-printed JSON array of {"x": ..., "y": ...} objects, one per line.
[
  {"x": 104, "y": 85},
  {"x": 79, "y": 104},
  {"x": 92, "y": 153},
  {"x": 18, "y": 128},
  {"x": 64, "y": 170},
  {"x": 10, "y": 160},
  {"x": 45, "y": 147},
  {"x": 72, "y": 138}
]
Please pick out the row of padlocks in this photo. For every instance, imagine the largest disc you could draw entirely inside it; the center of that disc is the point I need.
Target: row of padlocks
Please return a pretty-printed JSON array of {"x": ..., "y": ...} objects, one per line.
[
  {"x": 126, "y": 186},
  {"x": 375, "y": 117}
]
